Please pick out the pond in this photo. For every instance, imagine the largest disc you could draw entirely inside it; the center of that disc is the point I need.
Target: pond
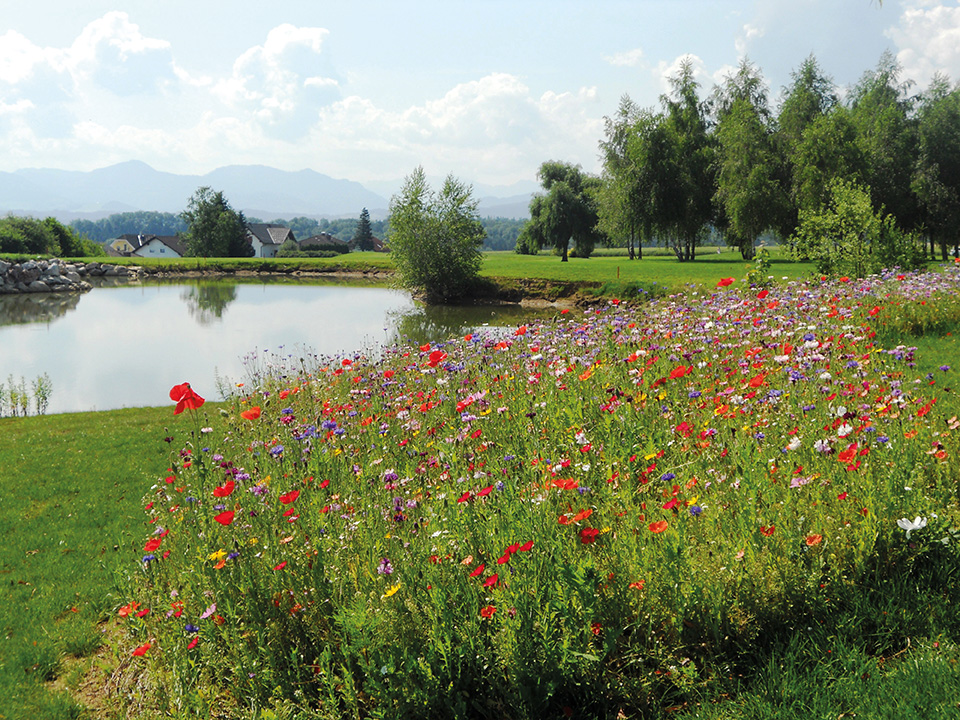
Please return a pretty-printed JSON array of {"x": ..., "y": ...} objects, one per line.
[{"x": 126, "y": 345}]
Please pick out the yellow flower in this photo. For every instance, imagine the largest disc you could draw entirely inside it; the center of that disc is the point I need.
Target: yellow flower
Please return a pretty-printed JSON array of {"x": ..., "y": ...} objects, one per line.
[
  {"x": 218, "y": 554},
  {"x": 390, "y": 591}
]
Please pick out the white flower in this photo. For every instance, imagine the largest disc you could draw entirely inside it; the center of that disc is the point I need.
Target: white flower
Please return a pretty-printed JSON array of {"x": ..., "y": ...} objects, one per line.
[
  {"x": 910, "y": 526},
  {"x": 793, "y": 444}
]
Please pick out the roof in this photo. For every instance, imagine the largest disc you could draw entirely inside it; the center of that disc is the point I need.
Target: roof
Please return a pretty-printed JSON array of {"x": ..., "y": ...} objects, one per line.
[
  {"x": 270, "y": 233},
  {"x": 138, "y": 241}
]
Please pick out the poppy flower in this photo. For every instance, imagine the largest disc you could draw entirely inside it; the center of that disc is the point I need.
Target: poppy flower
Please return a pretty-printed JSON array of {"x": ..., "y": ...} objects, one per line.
[
  {"x": 281, "y": 566},
  {"x": 588, "y": 535},
  {"x": 251, "y": 414},
  {"x": 185, "y": 398},
  {"x": 152, "y": 544},
  {"x": 638, "y": 585},
  {"x": 224, "y": 490},
  {"x": 487, "y": 611},
  {"x": 813, "y": 539},
  {"x": 527, "y": 546},
  {"x": 767, "y": 531},
  {"x": 491, "y": 581},
  {"x": 724, "y": 282},
  {"x": 128, "y": 609},
  {"x": 142, "y": 650},
  {"x": 658, "y": 527},
  {"x": 583, "y": 515},
  {"x": 193, "y": 643},
  {"x": 289, "y": 497},
  {"x": 437, "y": 357},
  {"x": 225, "y": 518}
]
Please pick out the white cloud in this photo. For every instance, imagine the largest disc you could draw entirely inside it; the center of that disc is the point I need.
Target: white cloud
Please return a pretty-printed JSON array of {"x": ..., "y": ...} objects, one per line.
[
  {"x": 630, "y": 58},
  {"x": 112, "y": 54},
  {"x": 748, "y": 33},
  {"x": 928, "y": 40},
  {"x": 284, "y": 82}
]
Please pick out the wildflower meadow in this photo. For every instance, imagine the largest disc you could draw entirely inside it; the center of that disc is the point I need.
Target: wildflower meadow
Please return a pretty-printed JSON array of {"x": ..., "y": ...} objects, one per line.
[{"x": 609, "y": 513}]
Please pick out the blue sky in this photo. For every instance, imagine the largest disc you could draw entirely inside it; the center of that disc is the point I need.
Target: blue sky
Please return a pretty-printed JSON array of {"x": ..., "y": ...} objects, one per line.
[{"x": 483, "y": 89}]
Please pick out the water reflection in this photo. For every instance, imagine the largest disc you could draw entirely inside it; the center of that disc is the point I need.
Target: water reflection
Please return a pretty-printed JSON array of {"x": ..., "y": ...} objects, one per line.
[
  {"x": 127, "y": 345},
  {"x": 206, "y": 301},
  {"x": 36, "y": 307}
]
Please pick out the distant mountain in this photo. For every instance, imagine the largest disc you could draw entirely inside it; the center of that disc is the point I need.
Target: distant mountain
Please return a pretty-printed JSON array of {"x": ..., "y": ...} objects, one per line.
[
  {"x": 258, "y": 190},
  {"x": 135, "y": 185}
]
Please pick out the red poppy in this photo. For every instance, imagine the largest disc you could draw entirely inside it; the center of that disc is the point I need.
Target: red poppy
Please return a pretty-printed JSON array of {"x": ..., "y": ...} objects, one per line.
[
  {"x": 281, "y": 566},
  {"x": 491, "y": 581},
  {"x": 128, "y": 609},
  {"x": 185, "y": 398},
  {"x": 485, "y": 491},
  {"x": 224, "y": 490},
  {"x": 477, "y": 571},
  {"x": 588, "y": 535},
  {"x": 527, "y": 546},
  {"x": 464, "y": 497},
  {"x": 437, "y": 357},
  {"x": 152, "y": 544},
  {"x": 193, "y": 643},
  {"x": 143, "y": 613},
  {"x": 522, "y": 330},
  {"x": 658, "y": 527},
  {"x": 388, "y": 374},
  {"x": 762, "y": 294},
  {"x": 638, "y": 585},
  {"x": 225, "y": 518},
  {"x": 289, "y": 497},
  {"x": 251, "y": 414},
  {"x": 725, "y": 281},
  {"x": 142, "y": 650},
  {"x": 767, "y": 531},
  {"x": 813, "y": 539},
  {"x": 487, "y": 611},
  {"x": 583, "y": 515}
]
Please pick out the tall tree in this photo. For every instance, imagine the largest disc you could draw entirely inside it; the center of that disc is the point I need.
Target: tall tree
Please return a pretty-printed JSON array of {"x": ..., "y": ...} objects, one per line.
[
  {"x": 565, "y": 212},
  {"x": 827, "y": 150},
  {"x": 881, "y": 111},
  {"x": 682, "y": 152},
  {"x": 435, "y": 237},
  {"x": 750, "y": 190},
  {"x": 214, "y": 229},
  {"x": 363, "y": 236},
  {"x": 622, "y": 213},
  {"x": 936, "y": 179}
]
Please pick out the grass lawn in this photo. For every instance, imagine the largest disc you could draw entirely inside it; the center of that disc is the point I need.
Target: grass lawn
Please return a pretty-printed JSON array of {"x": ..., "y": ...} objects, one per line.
[{"x": 70, "y": 522}]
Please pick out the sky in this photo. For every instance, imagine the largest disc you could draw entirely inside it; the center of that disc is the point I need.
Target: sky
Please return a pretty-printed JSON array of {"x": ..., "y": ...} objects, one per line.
[{"x": 485, "y": 90}]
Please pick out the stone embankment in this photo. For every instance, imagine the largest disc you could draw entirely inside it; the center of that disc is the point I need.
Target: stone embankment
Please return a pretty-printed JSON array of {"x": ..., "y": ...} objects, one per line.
[{"x": 55, "y": 275}]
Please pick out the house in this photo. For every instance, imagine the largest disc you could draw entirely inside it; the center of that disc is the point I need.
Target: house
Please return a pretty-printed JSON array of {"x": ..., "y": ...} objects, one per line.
[
  {"x": 147, "y": 245},
  {"x": 266, "y": 238}
]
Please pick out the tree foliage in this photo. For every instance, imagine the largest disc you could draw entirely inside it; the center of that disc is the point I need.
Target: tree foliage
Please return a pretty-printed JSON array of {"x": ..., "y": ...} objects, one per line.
[
  {"x": 43, "y": 237},
  {"x": 848, "y": 237},
  {"x": 435, "y": 237},
  {"x": 363, "y": 235},
  {"x": 565, "y": 212},
  {"x": 139, "y": 223},
  {"x": 751, "y": 191},
  {"x": 214, "y": 229}
]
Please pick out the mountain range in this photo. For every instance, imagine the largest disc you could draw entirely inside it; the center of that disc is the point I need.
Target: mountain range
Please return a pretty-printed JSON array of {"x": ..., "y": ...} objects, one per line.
[{"x": 259, "y": 191}]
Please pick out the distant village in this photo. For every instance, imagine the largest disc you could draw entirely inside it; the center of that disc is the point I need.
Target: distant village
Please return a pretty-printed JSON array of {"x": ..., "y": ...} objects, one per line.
[{"x": 266, "y": 239}]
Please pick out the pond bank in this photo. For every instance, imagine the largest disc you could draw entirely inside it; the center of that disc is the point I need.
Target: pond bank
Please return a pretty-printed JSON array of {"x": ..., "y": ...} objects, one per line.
[{"x": 529, "y": 292}]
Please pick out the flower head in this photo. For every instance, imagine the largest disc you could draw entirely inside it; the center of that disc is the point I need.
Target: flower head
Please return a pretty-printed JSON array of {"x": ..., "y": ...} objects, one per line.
[{"x": 916, "y": 524}]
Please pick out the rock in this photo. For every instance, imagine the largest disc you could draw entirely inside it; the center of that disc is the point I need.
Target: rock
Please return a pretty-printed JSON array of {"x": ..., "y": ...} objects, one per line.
[
  {"x": 38, "y": 286},
  {"x": 72, "y": 276}
]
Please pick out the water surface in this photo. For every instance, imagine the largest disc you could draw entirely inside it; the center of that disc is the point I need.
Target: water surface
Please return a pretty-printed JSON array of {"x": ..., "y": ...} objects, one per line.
[{"x": 127, "y": 345}]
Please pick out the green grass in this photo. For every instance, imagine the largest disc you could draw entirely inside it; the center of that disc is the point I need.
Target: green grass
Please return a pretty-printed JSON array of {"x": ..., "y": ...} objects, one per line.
[{"x": 70, "y": 522}]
